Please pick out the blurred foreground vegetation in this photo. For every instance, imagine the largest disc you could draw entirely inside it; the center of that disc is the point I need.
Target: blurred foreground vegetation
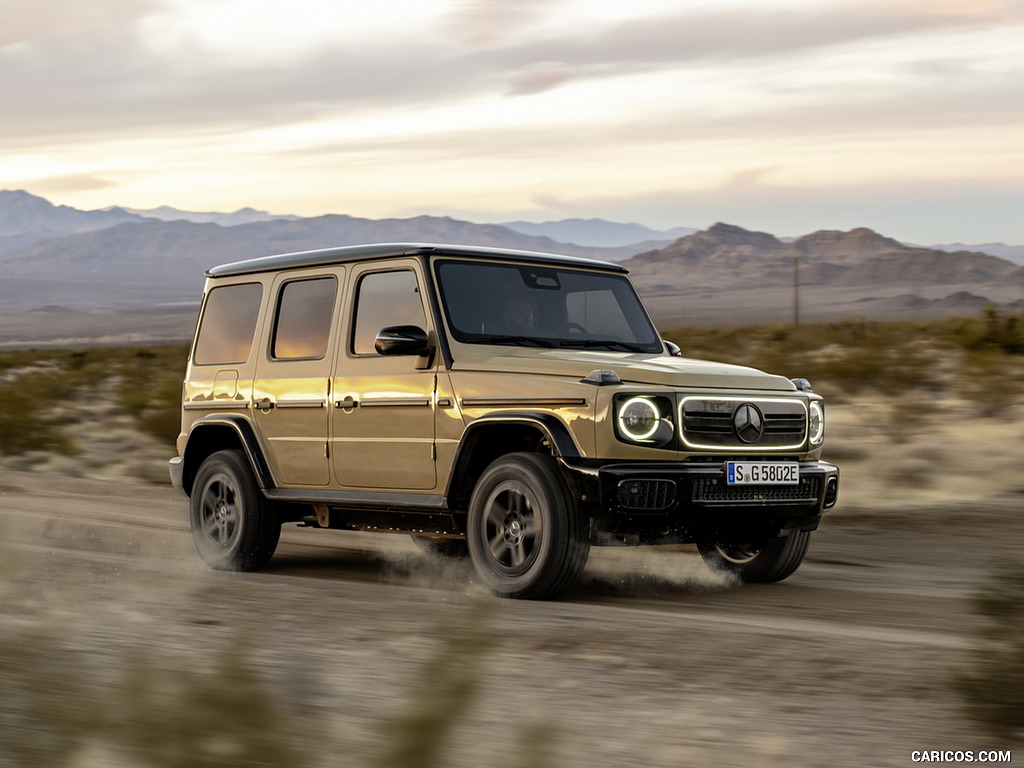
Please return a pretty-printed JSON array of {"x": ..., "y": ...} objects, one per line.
[
  {"x": 992, "y": 689},
  {"x": 165, "y": 709}
]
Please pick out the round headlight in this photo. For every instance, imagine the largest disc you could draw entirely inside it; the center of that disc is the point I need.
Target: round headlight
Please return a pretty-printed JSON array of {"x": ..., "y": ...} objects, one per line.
[
  {"x": 639, "y": 418},
  {"x": 816, "y": 423}
]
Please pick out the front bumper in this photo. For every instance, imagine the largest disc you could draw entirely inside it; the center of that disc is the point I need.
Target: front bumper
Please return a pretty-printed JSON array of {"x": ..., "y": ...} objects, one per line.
[{"x": 688, "y": 500}]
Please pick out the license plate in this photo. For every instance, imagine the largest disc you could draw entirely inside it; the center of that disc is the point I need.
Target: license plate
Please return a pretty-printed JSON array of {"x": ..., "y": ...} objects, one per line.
[{"x": 762, "y": 472}]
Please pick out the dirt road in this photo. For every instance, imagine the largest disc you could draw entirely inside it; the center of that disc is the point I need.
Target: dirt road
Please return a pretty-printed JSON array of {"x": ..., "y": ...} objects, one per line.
[{"x": 649, "y": 660}]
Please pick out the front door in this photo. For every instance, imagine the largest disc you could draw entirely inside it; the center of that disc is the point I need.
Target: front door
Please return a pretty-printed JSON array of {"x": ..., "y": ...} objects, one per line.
[{"x": 382, "y": 412}]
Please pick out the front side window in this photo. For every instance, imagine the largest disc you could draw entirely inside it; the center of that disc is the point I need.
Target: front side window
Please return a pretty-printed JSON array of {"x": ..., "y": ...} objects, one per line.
[
  {"x": 228, "y": 324},
  {"x": 385, "y": 299},
  {"x": 544, "y": 306},
  {"x": 303, "y": 325}
]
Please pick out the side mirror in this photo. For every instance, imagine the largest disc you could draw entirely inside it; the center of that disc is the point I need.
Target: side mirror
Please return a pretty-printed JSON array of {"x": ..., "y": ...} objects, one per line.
[
  {"x": 672, "y": 349},
  {"x": 402, "y": 340}
]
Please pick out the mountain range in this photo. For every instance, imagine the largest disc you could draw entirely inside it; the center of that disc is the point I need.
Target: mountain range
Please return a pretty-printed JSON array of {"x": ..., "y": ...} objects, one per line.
[{"x": 127, "y": 262}]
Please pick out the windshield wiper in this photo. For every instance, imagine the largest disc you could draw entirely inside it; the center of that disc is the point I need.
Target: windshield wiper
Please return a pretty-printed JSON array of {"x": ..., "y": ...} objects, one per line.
[
  {"x": 520, "y": 341},
  {"x": 606, "y": 343}
]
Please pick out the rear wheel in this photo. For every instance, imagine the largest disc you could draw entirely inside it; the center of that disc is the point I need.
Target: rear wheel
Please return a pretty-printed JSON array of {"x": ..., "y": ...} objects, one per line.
[
  {"x": 233, "y": 525},
  {"x": 527, "y": 536},
  {"x": 757, "y": 561}
]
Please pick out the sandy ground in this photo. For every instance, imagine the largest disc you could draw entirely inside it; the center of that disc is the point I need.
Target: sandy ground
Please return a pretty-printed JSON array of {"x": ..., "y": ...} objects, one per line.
[{"x": 649, "y": 660}]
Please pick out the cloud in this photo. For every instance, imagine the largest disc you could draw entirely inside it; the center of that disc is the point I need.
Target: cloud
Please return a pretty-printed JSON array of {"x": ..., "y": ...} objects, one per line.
[
  {"x": 760, "y": 93},
  {"x": 90, "y": 67},
  {"x": 539, "y": 77},
  {"x": 477, "y": 23},
  {"x": 44, "y": 26},
  {"x": 68, "y": 183}
]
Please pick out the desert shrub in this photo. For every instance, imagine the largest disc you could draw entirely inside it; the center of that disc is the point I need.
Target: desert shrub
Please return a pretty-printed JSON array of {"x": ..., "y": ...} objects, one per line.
[
  {"x": 206, "y": 718},
  {"x": 852, "y": 356},
  {"x": 989, "y": 379},
  {"x": 52, "y": 712},
  {"x": 993, "y": 688},
  {"x": 161, "y": 417},
  {"x": 149, "y": 388},
  {"x": 41, "y": 390},
  {"x": 28, "y": 419},
  {"x": 992, "y": 331},
  {"x": 165, "y": 711},
  {"x": 45, "y": 712}
]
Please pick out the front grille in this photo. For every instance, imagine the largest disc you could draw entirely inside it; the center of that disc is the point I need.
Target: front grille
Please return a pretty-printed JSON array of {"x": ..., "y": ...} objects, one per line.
[
  {"x": 714, "y": 490},
  {"x": 647, "y": 494},
  {"x": 709, "y": 423}
]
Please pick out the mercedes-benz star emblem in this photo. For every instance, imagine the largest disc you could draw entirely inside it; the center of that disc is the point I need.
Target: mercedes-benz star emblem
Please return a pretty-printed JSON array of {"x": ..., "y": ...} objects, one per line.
[{"x": 748, "y": 423}]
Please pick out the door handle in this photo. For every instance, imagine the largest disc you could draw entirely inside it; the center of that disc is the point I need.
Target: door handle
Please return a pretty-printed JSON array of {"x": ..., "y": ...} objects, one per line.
[
  {"x": 265, "y": 404},
  {"x": 348, "y": 403}
]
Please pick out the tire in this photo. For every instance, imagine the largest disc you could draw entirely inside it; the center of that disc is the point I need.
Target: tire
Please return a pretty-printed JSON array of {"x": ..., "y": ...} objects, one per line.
[
  {"x": 760, "y": 562},
  {"x": 233, "y": 525},
  {"x": 436, "y": 547},
  {"x": 527, "y": 536}
]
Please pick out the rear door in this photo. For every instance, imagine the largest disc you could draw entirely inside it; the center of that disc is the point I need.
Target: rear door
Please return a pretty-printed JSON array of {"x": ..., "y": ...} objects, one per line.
[{"x": 291, "y": 393}]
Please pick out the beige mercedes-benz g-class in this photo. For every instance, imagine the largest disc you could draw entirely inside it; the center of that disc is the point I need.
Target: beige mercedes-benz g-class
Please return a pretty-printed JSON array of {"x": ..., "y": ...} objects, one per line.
[{"x": 514, "y": 407}]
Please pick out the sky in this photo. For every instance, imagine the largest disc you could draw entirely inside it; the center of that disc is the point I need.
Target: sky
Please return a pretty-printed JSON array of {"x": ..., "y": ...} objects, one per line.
[{"x": 905, "y": 116}]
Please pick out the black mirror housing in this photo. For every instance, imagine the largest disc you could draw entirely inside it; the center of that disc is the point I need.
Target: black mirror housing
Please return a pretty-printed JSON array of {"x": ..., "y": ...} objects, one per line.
[{"x": 402, "y": 340}]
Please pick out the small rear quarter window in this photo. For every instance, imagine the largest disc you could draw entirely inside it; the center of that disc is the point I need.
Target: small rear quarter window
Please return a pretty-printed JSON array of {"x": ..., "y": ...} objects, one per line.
[{"x": 228, "y": 324}]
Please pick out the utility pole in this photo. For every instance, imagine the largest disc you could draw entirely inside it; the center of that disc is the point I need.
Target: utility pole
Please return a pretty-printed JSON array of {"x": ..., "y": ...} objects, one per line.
[{"x": 796, "y": 291}]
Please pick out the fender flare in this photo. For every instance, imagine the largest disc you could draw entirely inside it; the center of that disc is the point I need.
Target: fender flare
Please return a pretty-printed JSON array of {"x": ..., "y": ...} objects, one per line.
[
  {"x": 556, "y": 432},
  {"x": 246, "y": 438}
]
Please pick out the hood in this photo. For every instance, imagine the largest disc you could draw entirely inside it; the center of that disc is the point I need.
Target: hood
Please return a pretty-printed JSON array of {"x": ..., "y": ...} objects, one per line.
[{"x": 675, "y": 372}]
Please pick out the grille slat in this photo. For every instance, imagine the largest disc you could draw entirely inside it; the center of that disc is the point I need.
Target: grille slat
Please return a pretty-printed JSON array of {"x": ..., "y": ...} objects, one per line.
[{"x": 708, "y": 422}]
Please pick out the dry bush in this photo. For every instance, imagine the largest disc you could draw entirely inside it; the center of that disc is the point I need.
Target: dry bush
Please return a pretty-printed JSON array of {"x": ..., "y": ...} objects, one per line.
[
  {"x": 993, "y": 688},
  {"x": 163, "y": 710}
]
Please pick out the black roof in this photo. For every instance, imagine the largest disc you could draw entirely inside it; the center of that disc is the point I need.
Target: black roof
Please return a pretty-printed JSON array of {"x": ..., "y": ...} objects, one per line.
[{"x": 385, "y": 250}]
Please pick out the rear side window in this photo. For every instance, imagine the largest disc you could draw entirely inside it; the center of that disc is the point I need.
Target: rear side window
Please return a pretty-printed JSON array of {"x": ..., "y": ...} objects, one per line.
[
  {"x": 228, "y": 324},
  {"x": 303, "y": 324}
]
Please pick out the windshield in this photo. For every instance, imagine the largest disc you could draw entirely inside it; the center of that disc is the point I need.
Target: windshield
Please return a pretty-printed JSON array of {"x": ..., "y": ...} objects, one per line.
[{"x": 542, "y": 306}]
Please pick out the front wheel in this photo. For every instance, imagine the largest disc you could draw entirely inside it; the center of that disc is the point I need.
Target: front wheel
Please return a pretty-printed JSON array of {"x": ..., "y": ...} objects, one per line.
[
  {"x": 233, "y": 525},
  {"x": 759, "y": 561},
  {"x": 527, "y": 536}
]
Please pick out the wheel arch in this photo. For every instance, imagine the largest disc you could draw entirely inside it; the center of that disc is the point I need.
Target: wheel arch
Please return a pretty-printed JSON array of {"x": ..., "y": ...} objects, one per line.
[
  {"x": 220, "y": 432},
  {"x": 495, "y": 435}
]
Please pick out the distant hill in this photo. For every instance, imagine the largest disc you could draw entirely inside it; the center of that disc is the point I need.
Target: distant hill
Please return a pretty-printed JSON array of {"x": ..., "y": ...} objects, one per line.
[
  {"x": 241, "y": 216},
  {"x": 1014, "y": 253},
  {"x": 25, "y": 218},
  {"x": 132, "y": 266},
  {"x": 164, "y": 261},
  {"x": 727, "y": 254},
  {"x": 730, "y": 273},
  {"x": 599, "y": 232}
]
